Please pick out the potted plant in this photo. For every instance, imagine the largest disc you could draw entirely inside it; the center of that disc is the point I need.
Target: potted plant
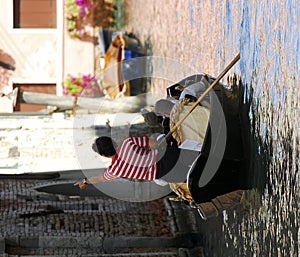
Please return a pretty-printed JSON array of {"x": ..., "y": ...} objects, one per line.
[
  {"x": 84, "y": 85},
  {"x": 76, "y": 13}
]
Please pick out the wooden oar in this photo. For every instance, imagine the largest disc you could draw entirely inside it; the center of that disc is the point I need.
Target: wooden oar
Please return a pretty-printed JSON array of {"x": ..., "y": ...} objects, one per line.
[{"x": 233, "y": 62}]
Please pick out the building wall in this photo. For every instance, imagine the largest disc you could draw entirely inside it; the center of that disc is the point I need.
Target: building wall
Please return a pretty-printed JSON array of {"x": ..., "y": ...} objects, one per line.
[
  {"x": 42, "y": 55},
  {"x": 34, "y": 51}
]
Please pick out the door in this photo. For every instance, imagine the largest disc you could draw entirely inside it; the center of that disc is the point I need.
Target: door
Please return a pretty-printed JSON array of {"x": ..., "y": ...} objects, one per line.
[
  {"x": 34, "y": 14},
  {"x": 37, "y": 88}
]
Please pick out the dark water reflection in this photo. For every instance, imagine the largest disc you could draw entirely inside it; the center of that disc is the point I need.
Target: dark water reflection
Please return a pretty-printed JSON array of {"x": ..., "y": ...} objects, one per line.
[
  {"x": 207, "y": 35},
  {"x": 269, "y": 46},
  {"x": 272, "y": 72}
]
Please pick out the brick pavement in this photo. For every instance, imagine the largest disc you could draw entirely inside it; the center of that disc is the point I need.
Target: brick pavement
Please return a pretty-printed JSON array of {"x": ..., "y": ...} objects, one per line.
[{"x": 39, "y": 224}]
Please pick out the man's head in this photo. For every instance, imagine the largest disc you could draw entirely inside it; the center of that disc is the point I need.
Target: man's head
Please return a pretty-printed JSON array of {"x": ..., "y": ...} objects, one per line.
[{"x": 104, "y": 146}]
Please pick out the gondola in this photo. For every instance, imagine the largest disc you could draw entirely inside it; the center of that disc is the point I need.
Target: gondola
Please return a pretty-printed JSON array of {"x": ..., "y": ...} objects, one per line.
[{"x": 218, "y": 171}]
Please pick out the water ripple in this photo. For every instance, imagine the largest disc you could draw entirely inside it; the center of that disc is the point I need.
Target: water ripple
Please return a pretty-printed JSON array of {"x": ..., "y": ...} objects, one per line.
[{"x": 207, "y": 35}]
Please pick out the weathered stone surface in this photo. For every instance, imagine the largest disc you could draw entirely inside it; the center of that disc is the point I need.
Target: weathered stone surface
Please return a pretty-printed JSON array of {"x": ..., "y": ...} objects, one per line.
[
  {"x": 77, "y": 226},
  {"x": 50, "y": 143},
  {"x": 2, "y": 245}
]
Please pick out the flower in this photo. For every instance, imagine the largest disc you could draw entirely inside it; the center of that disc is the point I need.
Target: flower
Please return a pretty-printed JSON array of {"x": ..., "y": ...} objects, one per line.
[
  {"x": 76, "y": 13},
  {"x": 84, "y": 85}
]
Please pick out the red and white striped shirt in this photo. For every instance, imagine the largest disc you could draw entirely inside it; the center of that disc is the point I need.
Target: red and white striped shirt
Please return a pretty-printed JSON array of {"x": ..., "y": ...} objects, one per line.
[{"x": 134, "y": 159}]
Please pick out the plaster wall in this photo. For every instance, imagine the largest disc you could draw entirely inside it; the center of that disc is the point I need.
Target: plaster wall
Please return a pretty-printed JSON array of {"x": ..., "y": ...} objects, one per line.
[
  {"x": 54, "y": 143},
  {"x": 41, "y": 55},
  {"x": 33, "y": 51}
]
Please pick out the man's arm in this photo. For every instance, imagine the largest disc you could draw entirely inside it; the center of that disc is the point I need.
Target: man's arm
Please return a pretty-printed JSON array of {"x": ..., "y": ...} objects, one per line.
[{"x": 93, "y": 180}]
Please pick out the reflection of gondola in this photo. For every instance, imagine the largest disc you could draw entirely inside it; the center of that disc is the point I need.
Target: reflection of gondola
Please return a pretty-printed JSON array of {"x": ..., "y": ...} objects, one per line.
[{"x": 217, "y": 169}]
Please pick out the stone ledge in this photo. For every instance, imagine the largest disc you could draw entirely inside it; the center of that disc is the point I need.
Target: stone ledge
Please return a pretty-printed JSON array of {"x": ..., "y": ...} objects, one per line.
[
  {"x": 2, "y": 245},
  {"x": 194, "y": 252},
  {"x": 53, "y": 242},
  {"x": 112, "y": 243}
]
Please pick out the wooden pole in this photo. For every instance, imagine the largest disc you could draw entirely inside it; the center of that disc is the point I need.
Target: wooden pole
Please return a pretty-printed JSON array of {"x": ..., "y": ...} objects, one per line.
[
  {"x": 230, "y": 65},
  {"x": 128, "y": 104}
]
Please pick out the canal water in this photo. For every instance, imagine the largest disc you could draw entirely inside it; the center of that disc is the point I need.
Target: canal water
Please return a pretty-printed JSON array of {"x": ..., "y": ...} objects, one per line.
[{"x": 205, "y": 36}]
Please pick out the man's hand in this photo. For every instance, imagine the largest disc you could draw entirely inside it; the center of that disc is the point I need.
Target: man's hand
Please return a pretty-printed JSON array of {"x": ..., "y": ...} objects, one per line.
[
  {"x": 155, "y": 140},
  {"x": 81, "y": 183},
  {"x": 152, "y": 142},
  {"x": 93, "y": 180}
]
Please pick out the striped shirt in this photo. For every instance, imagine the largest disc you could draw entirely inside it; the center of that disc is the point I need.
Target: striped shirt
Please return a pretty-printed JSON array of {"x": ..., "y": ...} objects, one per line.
[{"x": 134, "y": 160}]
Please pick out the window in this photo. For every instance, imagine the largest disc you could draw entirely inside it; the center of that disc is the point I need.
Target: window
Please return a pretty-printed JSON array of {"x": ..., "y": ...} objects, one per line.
[{"x": 34, "y": 14}]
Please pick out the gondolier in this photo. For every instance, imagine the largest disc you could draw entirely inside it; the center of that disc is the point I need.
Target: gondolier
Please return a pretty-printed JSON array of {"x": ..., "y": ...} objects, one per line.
[{"x": 138, "y": 158}]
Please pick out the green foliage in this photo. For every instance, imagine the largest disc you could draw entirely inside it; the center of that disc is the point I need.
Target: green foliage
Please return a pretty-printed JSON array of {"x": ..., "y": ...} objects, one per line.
[{"x": 118, "y": 23}]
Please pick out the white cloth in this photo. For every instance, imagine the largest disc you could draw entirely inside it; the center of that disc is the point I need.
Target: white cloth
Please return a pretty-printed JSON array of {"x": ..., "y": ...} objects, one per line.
[
  {"x": 161, "y": 182},
  {"x": 195, "y": 90},
  {"x": 191, "y": 145},
  {"x": 194, "y": 126}
]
